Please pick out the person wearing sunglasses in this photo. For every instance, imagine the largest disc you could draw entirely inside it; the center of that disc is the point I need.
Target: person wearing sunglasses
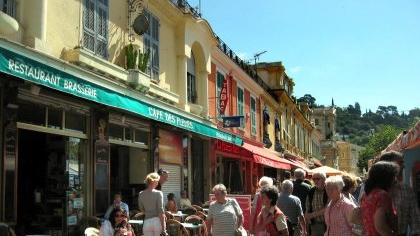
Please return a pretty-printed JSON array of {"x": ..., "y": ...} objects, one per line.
[{"x": 117, "y": 225}]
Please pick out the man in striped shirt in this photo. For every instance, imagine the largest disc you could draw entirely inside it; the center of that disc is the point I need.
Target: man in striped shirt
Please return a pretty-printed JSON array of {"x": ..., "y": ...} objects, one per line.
[{"x": 291, "y": 206}]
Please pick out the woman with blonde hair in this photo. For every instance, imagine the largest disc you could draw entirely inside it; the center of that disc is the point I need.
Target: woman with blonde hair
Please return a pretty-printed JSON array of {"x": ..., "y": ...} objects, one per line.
[
  {"x": 257, "y": 202},
  {"x": 151, "y": 203}
]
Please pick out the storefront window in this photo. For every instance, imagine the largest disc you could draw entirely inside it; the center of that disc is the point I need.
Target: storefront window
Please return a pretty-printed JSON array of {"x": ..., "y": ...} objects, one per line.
[
  {"x": 116, "y": 132},
  {"x": 75, "y": 121},
  {"x": 141, "y": 137},
  {"x": 31, "y": 113},
  {"x": 55, "y": 118},
  {"x": 228, "y": 172}
]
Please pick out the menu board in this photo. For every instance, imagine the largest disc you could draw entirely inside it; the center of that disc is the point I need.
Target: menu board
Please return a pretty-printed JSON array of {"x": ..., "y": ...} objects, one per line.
[{"x": 244, "y": 202}]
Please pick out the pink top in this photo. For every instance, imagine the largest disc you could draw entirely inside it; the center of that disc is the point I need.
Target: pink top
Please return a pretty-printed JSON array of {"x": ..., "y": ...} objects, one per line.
[
  {"x": 377, "y": 198},
  {"x": 336, "y": 217}
]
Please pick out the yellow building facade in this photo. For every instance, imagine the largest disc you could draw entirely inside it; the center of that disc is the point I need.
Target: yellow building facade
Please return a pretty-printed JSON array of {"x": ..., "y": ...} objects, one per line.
[{"x": 348, "y": 156}]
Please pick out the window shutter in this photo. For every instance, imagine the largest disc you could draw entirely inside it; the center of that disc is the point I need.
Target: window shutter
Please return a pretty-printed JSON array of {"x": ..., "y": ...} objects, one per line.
[{"x": 95, "y": 26}]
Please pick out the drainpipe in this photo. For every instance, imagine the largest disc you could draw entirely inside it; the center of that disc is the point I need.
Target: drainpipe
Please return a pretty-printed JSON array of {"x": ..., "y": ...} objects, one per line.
[{"x": 35, "y": 23}]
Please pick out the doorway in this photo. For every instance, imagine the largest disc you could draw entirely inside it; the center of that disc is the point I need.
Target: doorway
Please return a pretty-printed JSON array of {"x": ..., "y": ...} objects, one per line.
[
  {"x": 129, "y": 167},
  {"x": 50, "y": 187}
]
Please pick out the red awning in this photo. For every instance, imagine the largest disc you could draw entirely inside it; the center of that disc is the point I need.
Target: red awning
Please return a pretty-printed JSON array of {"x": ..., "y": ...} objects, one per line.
[
  {"x": 299, "y": 164},
  {"x": 265, "y": 157}
]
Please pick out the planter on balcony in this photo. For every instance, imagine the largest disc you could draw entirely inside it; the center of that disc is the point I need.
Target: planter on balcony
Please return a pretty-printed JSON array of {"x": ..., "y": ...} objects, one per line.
[{"x": 138, "y": 80}]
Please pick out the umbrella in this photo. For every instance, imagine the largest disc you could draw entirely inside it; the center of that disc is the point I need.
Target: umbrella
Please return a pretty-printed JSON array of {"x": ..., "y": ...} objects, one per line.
[{"x": 327, "y": 170}]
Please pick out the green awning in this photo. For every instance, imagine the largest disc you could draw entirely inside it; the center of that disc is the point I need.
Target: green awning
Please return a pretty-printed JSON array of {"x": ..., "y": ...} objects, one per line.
[{"x": 17, "y": 64}]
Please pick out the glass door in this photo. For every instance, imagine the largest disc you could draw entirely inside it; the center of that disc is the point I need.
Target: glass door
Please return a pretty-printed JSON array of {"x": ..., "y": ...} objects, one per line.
[{"x": 75, "y": 173}]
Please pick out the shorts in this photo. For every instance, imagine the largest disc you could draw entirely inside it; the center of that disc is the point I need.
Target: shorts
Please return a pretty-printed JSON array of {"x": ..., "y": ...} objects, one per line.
[{"x": 152, "y": 227}]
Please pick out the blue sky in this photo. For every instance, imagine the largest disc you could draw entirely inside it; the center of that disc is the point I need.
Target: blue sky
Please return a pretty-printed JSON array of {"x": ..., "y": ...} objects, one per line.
[{"x": 352, "y": 50}]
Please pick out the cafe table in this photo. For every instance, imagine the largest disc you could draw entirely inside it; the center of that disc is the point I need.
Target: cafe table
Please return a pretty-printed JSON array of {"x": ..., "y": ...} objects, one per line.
[
  {"x": 180, "y": 215},
  {"x": 137, "y": 225}
]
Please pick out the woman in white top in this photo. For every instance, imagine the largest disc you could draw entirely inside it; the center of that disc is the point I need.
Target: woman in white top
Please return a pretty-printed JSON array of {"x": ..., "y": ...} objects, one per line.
[{"x": 151, "y": 203}]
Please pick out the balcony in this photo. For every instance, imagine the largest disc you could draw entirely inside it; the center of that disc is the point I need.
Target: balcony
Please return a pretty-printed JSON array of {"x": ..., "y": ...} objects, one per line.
[
  {"x": 8, "y": 24},
  {"x": 133, "y": 78},
  {"x": 185, "y": 7}
]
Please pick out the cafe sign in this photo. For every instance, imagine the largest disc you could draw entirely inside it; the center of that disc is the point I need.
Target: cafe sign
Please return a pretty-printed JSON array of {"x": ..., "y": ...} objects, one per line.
[{"x": 23, "y": 67}]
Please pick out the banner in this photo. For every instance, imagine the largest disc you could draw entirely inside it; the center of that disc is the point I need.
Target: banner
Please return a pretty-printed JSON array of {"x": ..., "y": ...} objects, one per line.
[{"x": 23, "y": 67}]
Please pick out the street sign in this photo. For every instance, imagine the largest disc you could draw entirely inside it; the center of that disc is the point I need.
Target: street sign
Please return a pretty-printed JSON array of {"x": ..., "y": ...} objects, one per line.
[{"x": 232, "y": 121}]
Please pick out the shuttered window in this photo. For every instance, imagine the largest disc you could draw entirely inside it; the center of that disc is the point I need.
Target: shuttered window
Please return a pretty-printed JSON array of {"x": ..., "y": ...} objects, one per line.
[
  {"x": 241, "y": 103},
  {"x": 253, "y": 117},
  {"x": 8, "y": 7},
  {"x": 151, "y": 42},
  {"x": 95, "y": 27}
]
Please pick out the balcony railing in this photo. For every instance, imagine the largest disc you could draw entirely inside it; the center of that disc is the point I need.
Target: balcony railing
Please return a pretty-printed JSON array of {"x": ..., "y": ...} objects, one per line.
[
  {"x": 186, "y": 7},
  {"x": 246, "y": 67}
]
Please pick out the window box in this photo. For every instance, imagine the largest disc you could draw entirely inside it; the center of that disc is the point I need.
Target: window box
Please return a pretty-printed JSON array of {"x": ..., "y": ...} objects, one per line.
[{"x": 138, "y": 80}]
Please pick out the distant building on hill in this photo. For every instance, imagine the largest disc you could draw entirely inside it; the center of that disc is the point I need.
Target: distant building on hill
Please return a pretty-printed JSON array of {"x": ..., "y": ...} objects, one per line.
[
  {"x": 324, "y": 118},
  {"x": 348, "y": 154}
]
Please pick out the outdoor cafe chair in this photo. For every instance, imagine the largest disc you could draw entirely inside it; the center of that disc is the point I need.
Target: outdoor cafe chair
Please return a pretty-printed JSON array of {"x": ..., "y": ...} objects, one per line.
[
  {"x": 201, "y": 215},
  {"x": 197, "y": 207},
  {"x": 196, "y": 220},
  {"x": 169, "y": 215},
  {"x": 189, "y": 211},
  {"x": 175, "y": 228}
]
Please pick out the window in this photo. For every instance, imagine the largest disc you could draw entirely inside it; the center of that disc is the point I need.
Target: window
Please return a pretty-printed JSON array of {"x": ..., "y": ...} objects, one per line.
[
  {"x": 240, "y": 102},
  {"x": 191, "y": 80},
  {"x": 253, "y": 117},
  {"x": 316, "y": 122},
  {"x": 219, "y": 84},
  {"x": 95, "y": 26},
  {"x": 151, "y": 42},
  {"x": 8, "y": 7}
]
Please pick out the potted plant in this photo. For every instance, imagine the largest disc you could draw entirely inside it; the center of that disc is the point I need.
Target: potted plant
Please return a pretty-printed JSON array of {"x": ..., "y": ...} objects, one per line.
[
  {"x": 136, "y": 64},
  {"x": 144, "y": 81},
  {"x": 130, "y": 64}
]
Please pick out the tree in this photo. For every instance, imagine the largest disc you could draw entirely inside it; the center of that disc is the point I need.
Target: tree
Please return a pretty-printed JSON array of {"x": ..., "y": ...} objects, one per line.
[
  {"x": 308, "y": 99},
  {"x": 377, "y": 142}
]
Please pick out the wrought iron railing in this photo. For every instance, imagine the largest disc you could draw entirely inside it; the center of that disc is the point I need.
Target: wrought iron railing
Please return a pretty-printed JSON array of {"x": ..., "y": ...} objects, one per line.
[
  {"x": 245, "y": 66},
  {"x": 186, "y": 7}
]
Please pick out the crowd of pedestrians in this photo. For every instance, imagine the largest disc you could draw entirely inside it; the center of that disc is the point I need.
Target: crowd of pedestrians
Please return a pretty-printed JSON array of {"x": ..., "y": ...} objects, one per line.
[{"x": 341, "y": 205}]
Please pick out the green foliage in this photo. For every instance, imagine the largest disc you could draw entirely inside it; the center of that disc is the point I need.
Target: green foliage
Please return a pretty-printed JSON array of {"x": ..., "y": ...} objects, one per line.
[
  {"x": 308, "y": 99},
  {"x": 377, "y": 142},
  {"x": 143, "y": 60},
  {"x": 130, "y": 57}
]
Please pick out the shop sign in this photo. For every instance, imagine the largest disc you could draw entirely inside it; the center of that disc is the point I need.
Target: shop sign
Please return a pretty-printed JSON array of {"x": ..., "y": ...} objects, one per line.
[
  {"x": 227, "y": 147},
  {"x": 232, "y": 121},
  {"x": 23, "y": 67},
  {"x": 223, "y": 97}
]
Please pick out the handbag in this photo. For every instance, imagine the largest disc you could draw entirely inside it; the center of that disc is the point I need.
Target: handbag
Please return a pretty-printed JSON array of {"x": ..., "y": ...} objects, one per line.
[{"x": 240, "y": 231}]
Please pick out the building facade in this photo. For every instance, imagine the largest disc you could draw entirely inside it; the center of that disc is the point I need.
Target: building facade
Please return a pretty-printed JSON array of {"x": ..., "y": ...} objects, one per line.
[
  {"x": 79, "y": 125},
  {"x": 88, "y": 108},
  {"x": 348, "y": 156},
  {"x": 324, "y": 119}
]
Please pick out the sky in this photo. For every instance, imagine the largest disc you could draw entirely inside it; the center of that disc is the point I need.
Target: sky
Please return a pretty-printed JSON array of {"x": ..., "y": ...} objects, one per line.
[{"x": 365, "y": 51}]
